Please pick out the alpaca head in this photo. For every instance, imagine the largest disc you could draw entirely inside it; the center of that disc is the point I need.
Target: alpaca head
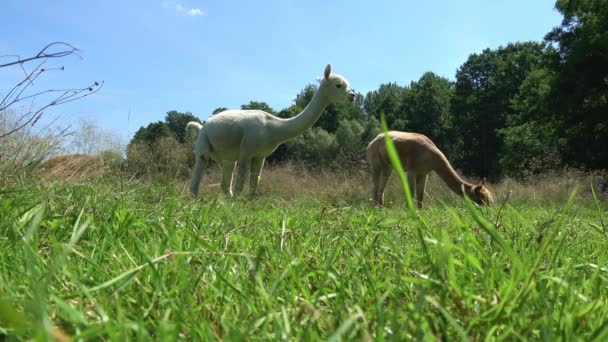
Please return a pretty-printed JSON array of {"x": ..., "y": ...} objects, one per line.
[
  {"x": 480, "y": 194},
  {"x": 336, "y": 87}
]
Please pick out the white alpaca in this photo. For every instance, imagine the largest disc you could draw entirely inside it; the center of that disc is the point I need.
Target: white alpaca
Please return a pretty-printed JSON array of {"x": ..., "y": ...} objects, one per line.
[{"x": 247, "y": 137}]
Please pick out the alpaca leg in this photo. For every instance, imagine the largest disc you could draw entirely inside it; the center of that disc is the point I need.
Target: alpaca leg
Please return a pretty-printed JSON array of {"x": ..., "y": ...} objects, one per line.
[
  {"x": 243, "y": 167},
  {"x": 256, "y": 169},
  {"x": 376, "y": 173},
  {"x": 411, "y": 181},
  {"x": 227, "y": 171},
  {"x": 200, "y": 167},
  {"x": 384, "y": 177},
  {"x": 420, "y": 185}
]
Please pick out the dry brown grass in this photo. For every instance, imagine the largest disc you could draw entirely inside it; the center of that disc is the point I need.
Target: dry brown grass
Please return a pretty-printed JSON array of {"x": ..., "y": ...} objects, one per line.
[
  {"x": 291, "y": 180},
  {"x": 73, "y": 167},
  {"x": 22, "y": 152},
  {"x": 554, "y": 186}
]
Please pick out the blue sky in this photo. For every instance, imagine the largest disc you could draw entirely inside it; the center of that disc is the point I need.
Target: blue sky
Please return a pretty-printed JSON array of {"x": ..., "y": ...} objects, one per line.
[{"x": 190, "y": 55}]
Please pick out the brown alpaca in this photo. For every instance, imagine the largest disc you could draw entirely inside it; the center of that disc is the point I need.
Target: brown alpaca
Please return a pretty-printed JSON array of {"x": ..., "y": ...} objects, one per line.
[{"x": 419, "y": 156}]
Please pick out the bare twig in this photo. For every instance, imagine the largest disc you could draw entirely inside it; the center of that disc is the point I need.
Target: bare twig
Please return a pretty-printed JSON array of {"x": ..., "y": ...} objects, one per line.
[
  {"x": 17, "y": 93},
  {"x": 65, "y": 97},
  {"x": 68, "y": 50}
]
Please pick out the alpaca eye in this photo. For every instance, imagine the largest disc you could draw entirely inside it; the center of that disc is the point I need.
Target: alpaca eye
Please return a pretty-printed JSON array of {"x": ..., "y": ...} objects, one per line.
[{"x": 338, "y": 86}]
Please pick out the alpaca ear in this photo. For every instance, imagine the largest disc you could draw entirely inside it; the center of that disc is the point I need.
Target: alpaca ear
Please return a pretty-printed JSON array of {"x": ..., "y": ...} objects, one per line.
[
  {"x": 483, "y": 181},
  {"x": 327, "y": 71}
]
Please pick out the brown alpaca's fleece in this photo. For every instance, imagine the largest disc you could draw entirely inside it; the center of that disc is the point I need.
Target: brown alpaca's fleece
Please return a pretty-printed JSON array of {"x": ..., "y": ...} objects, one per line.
[{"x": 419, "y": 157}]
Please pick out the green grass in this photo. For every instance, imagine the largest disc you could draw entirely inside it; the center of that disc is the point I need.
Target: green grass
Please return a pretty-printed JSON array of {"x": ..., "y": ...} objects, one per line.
[{"x": 123, "y": 259}]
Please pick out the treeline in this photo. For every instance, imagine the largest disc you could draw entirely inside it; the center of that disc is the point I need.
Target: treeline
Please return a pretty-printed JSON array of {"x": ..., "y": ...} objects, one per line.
[{"x": 516, "y": 110}]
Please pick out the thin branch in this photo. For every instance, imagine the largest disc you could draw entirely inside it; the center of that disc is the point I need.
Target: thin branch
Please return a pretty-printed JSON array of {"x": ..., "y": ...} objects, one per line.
[
  {"x": 65, "y": 97},
  {"x": 16, "y": 94},
  {"x": 17, "y": 88},
  {"x": 70, "y": 50}
]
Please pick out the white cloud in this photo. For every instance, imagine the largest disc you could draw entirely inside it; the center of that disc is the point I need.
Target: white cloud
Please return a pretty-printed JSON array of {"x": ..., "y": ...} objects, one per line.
[
  {"x": 195, "y": 11},
  {"x": 181, "y": 9}
]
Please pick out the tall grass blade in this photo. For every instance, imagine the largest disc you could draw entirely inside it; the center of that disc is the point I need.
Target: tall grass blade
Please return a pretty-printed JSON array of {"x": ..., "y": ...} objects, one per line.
[
  {"x": 396, "y": 162},
  {"x": 489, "y": 229},
  {"x": 446, "y": 314},
  {"x": 599, "y": 210}
]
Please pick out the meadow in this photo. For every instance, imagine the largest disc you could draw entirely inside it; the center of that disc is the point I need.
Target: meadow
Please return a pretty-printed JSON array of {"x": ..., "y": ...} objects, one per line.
[{"x": 309, "y": 258}]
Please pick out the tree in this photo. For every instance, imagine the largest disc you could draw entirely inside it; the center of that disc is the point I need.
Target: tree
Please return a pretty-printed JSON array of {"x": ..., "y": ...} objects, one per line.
[
  {"x": 387, "y": 100},
  {"x": 89, "y": 138},
  {"x": 531, "y": 148},
  {"x": 581, "y": 85},
  {"x": 337, "y": 113},
  {"x": 177, "y": 122},
  {"x": 174, "y": 126},
  {"x": 255, "y": 105},
  {"x": 151, "y": 133},
  {"x": 427, "y": 107},
  {"x": 533, "y": 136},
  {"x": 484, "y": 88},
  {"x": 219, "y": 110}
]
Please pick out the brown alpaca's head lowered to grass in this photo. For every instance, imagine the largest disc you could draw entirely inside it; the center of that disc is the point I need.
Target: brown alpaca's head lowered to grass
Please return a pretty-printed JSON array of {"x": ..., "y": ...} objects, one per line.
[
  {"x": 419, "y": 156},
  {"x": 480, "y": 194}
]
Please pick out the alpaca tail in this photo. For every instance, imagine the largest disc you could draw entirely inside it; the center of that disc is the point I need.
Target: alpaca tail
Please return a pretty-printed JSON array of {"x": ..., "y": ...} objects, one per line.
[{"x": 192, "y": 128}]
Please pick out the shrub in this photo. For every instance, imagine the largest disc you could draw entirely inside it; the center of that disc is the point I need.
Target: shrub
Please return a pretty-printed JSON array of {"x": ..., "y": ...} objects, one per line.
[
  {"x": 25, "y": 149},
  {"x": 315, "y": 147},
  {"x": 166, "y": 158}
]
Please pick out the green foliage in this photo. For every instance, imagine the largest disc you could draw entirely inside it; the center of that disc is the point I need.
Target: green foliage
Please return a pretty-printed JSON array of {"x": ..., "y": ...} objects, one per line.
[
  {"x": 162, "y": 149},
  {"x": 177, "y": 122},
  {"x": 348, "y": 137},
  {"x": 581, "y": 87},
  {"x": 485, "y": 85},
  {"x": 263, "y": 106},
  {"x": 427, "y": 106},
  {"x": 151, "y": 133},
  {"x": 387, "y": 100},
  {"x": 531, "y": 148},
  {"x": 219, "y": 110},
  {"x": 533, "y": 100},
  {"x": 315, "y": 147},
  {"x": 167, "y": 158},
  {"x": 173, "y": 126},
  {"x": 113, "y": 158},
  {"x": 533, "y": 135}
]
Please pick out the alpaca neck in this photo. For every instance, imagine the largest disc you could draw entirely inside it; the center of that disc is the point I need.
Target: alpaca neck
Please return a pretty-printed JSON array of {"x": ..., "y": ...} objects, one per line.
[
  {"x": 451, "y": 178},
  {"x": 292, "y": 127}
]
